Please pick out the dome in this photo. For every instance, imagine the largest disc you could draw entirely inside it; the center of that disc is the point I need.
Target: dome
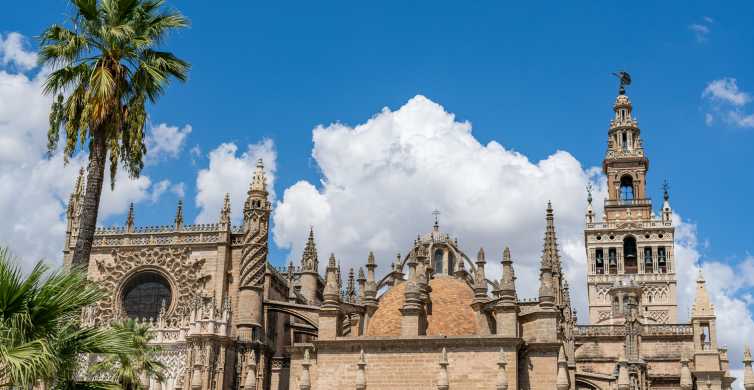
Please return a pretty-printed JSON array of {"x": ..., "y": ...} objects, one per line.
[
  {"x": 451, "y": 314},
  {"x": 622, "y": 101}
]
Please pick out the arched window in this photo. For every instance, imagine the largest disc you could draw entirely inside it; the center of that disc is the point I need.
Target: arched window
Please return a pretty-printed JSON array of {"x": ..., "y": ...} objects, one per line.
[
  {"x": 437, "y": 261},
  {"x": 629, "y": 255},
  {"x": 626, "y": 188},
  {"x": 144, "y": 294},
  {"x": 600, "y": 261},
  {"x": 451, "y": 263}
]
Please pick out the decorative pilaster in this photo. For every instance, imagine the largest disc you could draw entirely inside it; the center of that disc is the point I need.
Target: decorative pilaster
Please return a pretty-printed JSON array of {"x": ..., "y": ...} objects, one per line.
[
  {"x": 442, "y": 376},
  {"x": 686, "y": 380},
  {"x": 748, "y": 374},
  {"x": 502, "y": 374},
  {"x": 361, "y": 380},
  {"x": 563, "y": 382},
  {"x": 306, "y": 382}
]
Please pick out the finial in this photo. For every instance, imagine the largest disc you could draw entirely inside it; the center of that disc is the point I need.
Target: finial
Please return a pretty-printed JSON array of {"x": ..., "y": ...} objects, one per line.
[
  {"x": 179, "y": 215},
  {"x": 225, "y": 212},
  {"x": 436, "y": 213},
  {"x": 549, "y": 208},
  {"x": 259, "y": 180},
  {"x": 589, "y": 193},
  {"x": 331, "y": 262},
  {"x": 370, "y": 258},
  {"x": 625, "y": 79},
  {"x": 480, "y": 256},
  {"x": 130, "y": 218},
  {"x": 362, "y": 358},
  {"x": 361, "y": 274},
  {"x": 666, "y": 189},
  {"x": 507, "y": 255}
]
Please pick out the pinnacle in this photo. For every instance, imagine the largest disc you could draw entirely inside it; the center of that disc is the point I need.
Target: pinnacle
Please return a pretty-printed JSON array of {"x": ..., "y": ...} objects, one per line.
[{"x": 480, "y": 256}]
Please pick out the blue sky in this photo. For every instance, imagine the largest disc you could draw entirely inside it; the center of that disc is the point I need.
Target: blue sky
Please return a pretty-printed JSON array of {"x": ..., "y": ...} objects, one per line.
[{"x": 533, "y": 79}]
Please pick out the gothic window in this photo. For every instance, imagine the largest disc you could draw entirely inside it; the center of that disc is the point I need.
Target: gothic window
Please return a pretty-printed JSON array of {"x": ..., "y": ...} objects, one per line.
[
  {"x": 144, "y": 294},
  {"x": 630, "y": 264},
  {"x": 626, "y": 188},
  {"x": 438, "y": 261},
  {"x": 648, "y": 265},
  {"x": 662, "y": 263},
  {"x": 612, "y": 259},
  {"x": 451, "y": 263},
  {"x": 616, "y": 305},
  {"x": 600, "y": 260}
]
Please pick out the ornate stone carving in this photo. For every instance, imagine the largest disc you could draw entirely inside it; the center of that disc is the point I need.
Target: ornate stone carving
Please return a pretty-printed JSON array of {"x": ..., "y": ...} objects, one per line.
[
  {"x": 183, "y": 273},
  {"x": 254, "y": 252}
]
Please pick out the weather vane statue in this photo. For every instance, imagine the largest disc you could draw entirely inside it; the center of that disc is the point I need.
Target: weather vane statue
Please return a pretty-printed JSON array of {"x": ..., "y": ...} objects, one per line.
[{"x": 625, "y": 79}]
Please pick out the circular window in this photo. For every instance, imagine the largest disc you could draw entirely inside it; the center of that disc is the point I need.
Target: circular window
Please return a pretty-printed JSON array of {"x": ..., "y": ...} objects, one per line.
[
  {"x": 660, "y": 235},
  {"x": 144, "y": 294},
  {"x": 599, "y": 237}
]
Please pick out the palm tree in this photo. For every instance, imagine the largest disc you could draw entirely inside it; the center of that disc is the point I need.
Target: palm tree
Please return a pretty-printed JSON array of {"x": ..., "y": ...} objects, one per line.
[
  {"x": 130, "y": 369},
  {"x": 41, "y": 335},
  {"x": 105, "y": 69}
]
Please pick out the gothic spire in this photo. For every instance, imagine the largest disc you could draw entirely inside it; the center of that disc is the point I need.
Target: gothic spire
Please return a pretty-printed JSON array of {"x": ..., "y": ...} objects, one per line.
[
  {"x": 370, "y": 289},
  {"x": 309, "y": 262},
  {"x": 257, "y": 194},
  {"x": 702, "y": 306},
  {"x": 550, "y": 262},
  {"x": 130, "y": 218},
  {"x": 507, "y": 289},
  {"x": 332, "y": 291},
  {"x": 179, "y": 216},
  {"x": 351, "y": 286},
  {"x": 480, "y": 279},
  {"x": 259, "y": 180}
]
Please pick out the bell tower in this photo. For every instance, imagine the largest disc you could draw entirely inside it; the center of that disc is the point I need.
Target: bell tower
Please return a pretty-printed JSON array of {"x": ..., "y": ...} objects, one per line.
[{"x": 631, "y": 245}]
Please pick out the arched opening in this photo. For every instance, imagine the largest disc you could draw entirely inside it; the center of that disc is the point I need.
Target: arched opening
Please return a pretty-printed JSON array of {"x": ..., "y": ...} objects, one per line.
[
  {"x": 437, "y": 261},
  {"x": 585, "y": 386},
  {"x": 451, "y": 263},
  {"x": 599, "y": 261},
  {"x": 648, "y": 263},
  {"x": 629, "y": 255},
  {"x": 624, "y": 140},
  {"x": 626, "y": 188},
  {"x": 145, "y": 293},
  {"x": 612, "y": 261},
  {"x": 662, "y": 260}
]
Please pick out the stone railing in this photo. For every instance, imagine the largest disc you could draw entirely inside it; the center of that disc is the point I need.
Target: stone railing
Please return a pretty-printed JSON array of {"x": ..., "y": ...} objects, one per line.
[
  {"x": 599, "y": 330},
  {"x": 118, "y": 230},
  {"x": 667, "y": 330},
  {"x": 655, "y": 223},
  {"x": 638, "y": 278},
  {"x": 157, "y": 239}
]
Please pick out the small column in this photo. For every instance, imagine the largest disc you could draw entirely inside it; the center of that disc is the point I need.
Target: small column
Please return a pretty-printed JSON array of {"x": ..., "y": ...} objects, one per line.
[
  {"x": 361, "y": 380},
  {"x": 623, "y": 382},
  {"x": 442, "y": 376}
]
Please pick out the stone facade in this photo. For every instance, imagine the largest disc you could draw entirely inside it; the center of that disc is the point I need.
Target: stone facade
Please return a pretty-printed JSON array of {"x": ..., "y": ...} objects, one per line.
[{"x": 227, "y": 319}]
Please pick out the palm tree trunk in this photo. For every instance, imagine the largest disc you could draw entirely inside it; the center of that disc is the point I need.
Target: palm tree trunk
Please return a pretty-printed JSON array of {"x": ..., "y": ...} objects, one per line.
[{"x": 90, "y": 208}]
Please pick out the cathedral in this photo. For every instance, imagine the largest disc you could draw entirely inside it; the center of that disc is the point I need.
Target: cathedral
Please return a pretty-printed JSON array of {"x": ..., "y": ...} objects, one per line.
[{"x": 225, "y": 318}]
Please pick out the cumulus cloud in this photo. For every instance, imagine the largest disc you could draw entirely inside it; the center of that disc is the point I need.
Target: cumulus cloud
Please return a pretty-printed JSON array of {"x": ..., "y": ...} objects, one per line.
[
  {"x": 12, "y": 51},
  {"x": 231, "y": 173},
  {"x": 35, "y": 189},
  {"x": 382, "y": 179},
  {"x": 166, "y": 141},
  {"x": 725, "y": 103}
]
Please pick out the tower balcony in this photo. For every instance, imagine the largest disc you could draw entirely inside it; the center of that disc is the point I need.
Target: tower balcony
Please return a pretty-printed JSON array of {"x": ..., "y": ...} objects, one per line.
[{"x": 628, "y": 202}]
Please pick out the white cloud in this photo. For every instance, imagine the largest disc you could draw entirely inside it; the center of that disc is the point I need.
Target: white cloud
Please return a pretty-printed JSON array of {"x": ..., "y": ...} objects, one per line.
[
  {"x": 35, "y": 189},
  {"x": 726, "y": 102},
  {"x": 166, "y": 141},
  {"x": 700, "y": 32},
  {"x": 726, "y": 90},
  {"x": 382, "y": 179},
  {"x": 12, "y": 51},
  {"x": 228, "y": 172}
]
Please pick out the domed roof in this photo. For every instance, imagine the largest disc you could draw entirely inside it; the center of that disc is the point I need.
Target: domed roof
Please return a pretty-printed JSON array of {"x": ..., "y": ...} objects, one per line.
[{"x": 451, "y": 314}]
